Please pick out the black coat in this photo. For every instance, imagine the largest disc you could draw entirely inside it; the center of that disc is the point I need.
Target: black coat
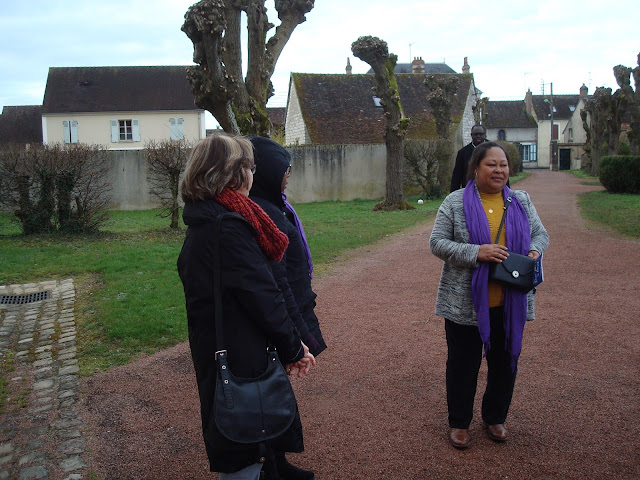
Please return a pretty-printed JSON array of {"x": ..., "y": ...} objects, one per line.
[
  {"x": 459, "y": 175},
  {"x": 254, "y": 314},
  {"x": 292, "y": 272}
]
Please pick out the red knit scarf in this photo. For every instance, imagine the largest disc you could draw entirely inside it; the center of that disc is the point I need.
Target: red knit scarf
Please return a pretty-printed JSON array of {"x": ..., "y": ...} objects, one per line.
[{"x": 271, "y": 240}]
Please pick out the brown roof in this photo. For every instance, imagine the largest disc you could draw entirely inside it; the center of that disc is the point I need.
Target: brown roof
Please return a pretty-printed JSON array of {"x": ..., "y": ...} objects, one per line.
[
  {"x": 339, "y": 109},
  {"x": 21, "y": 124},
  {"x": 508, "y": 114},
  {"x": 112, "y": 89},
  {"x": 428, "y": 68},
  {"x": 562, "y": 104}
]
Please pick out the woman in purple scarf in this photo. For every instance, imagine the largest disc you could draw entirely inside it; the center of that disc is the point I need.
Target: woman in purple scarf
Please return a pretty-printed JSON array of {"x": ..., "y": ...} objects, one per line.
[{"x": 482, "y": 316}]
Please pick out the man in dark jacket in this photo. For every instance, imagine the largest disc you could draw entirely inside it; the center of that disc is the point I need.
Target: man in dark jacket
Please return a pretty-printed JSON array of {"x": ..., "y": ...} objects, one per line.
[{"x": 459, "y": 176}]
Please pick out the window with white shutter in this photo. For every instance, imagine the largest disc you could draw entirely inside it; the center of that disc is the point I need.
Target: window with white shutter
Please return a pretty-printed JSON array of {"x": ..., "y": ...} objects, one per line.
[
  {"x": 70, "y": 131},
  {"x": 125, "y": 131},
  {"x": 115, "y": 132},
  {"x": 176, "y": 128}
]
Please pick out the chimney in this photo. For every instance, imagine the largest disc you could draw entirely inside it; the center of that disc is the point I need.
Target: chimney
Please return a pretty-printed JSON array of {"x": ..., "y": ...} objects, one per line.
[
  {"x": 417, "y": 66},
  {"x": 583, "y": 91},
  {"x": 528, "y": 102},
  {"x": 348, "y": 69},
  {"x": 465, "y": 68}
]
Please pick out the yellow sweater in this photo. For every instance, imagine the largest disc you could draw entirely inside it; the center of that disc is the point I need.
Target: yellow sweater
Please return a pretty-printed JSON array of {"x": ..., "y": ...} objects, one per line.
[{"x": 493, "y": 205}]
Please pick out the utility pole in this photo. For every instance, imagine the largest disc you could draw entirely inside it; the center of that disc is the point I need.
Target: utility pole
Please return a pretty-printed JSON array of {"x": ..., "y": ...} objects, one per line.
[{"x": 554, "y": 161}]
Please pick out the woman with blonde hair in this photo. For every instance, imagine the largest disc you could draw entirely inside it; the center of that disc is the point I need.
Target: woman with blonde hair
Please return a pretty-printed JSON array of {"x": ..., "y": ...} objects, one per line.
[{"x": 216, "y": 182}]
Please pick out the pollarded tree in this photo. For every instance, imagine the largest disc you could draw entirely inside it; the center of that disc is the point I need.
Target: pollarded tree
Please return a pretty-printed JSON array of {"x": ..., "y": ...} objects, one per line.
[
  {"x": 441, "y": 91},
  {"x": 375, "y": 52},
  {"x": 634, "y": 131},
  {"x": 239, "y": 104}
]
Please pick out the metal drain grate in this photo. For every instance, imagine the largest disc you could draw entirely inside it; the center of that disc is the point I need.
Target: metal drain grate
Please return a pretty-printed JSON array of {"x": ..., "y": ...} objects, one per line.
[{"x": 22, "y": 299}]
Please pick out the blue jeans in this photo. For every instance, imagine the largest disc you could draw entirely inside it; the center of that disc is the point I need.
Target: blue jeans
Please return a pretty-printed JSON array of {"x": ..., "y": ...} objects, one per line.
[{"x": 252, "y": 472}]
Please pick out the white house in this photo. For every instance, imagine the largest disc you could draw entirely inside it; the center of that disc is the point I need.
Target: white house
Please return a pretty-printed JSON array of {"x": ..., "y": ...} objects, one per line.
[{"x": 121, "y": 108}]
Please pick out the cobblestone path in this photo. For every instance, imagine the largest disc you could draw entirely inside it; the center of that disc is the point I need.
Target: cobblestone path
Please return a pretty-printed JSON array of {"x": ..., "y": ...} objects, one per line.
[{"x": 41, "y": 434}]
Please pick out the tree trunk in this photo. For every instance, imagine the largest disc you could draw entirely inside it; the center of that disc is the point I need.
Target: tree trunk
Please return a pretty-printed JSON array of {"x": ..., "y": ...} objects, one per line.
[{"x": 375, "y": 52}]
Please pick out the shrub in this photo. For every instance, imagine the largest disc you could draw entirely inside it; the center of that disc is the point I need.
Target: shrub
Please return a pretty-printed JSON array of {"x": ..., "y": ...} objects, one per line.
[
  {"x": 426, "y": 167},
  {"x": 514, "y": 156},
  {"x": 620, "y": 173},
  {"x": 55, "y": 187}
]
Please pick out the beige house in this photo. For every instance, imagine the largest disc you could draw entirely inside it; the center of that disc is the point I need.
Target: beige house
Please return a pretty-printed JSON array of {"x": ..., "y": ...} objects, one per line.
[
  {"x": 567, "y": 127},
  {"x": 340, "y": 109},
  {"x": 121, "y": 108}
]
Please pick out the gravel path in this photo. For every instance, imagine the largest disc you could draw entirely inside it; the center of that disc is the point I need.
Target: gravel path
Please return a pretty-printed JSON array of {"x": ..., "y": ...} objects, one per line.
[{"x": 375, "y": 407}]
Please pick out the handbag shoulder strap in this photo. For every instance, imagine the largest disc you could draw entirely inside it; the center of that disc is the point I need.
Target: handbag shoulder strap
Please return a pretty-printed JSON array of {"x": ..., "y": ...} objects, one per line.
[{"x": 504, "y": 216}]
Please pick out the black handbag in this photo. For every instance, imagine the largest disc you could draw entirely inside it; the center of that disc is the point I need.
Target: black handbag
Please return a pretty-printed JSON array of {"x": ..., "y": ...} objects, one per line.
[
  {"x": 248, "y": 410},
  {"x": 516, "y": 271}
]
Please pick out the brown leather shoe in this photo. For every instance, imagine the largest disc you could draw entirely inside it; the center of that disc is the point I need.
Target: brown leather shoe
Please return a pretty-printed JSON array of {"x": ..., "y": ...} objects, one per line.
[
  {"x": 459, "y": 438},
  {"x": 497, "y": 432}
]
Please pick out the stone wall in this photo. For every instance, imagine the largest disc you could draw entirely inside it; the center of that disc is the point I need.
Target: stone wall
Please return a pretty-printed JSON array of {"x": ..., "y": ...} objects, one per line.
[{"x": 319, "y": 173}]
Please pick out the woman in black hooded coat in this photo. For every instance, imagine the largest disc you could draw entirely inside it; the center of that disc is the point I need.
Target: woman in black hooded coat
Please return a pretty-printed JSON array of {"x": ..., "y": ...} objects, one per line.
[
  {"x": 216, "y": 183},
  {"x": 293, "y": 273}
]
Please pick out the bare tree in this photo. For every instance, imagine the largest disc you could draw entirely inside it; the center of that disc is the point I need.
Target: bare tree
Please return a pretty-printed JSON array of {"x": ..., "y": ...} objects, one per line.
[
  {"x": 166, "y": 161},
  {"x": 375, "y": 52},
  {"x": 239, "y": 104}
]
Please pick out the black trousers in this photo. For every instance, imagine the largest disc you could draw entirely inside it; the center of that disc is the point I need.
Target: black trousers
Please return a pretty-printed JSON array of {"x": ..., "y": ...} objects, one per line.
[{"x": 463, "y": 364}]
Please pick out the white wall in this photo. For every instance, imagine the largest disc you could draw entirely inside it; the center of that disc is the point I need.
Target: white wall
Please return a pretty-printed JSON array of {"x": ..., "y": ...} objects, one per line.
[
  {"x": 95, "y": 128},
  {"x": 513, "y": 134},
  {"x": 296, "y": 132}
]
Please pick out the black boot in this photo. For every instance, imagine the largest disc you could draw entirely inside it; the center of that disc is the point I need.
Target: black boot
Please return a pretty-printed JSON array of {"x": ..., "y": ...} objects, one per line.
[{"x": 291, "y": 472}]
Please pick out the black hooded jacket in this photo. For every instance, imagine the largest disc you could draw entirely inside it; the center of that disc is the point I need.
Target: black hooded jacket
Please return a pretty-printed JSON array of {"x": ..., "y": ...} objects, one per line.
[
  {"x": 292, "y": 273},
  {"x": 254, "y": 315}
]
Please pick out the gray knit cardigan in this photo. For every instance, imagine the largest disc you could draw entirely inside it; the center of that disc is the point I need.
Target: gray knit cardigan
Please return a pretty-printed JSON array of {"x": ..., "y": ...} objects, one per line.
[{"x": 450, "y": 242}]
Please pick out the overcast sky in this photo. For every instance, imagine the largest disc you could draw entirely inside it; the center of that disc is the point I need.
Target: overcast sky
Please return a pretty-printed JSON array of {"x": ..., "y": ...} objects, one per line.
[{"x": 510, "y": 45}]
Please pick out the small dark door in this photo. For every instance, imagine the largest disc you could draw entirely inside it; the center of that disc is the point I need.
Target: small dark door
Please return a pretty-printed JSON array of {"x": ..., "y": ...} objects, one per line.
[{"x": 565, "y": 159}]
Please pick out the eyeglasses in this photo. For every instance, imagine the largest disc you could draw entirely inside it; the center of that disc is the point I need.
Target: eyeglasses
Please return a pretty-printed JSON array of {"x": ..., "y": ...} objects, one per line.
[
  {"x": 253, "y": 169},
  {"x": 288, "y": 171}
]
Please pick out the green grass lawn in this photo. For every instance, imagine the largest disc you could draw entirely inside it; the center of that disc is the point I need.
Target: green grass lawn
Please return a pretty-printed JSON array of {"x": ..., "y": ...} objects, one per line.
[
  {"x": 618, "y": 213},
  {"x": 129, "y": 297}
]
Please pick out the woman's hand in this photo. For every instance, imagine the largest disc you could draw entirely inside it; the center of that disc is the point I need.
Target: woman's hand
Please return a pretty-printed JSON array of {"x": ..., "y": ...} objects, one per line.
[
  {"x": 302, "y": 366},
  {"x": 492, "y": 252},
  {"x": 533, "y": 254}
]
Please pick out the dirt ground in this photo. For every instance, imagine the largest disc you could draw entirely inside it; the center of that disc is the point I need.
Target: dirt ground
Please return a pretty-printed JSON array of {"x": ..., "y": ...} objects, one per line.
[{"x": 375, "y": 406}]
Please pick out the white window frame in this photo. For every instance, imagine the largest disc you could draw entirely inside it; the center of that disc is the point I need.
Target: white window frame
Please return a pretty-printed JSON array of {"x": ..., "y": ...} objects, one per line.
[
  {"x": 529, "y": 152},
  {"x": 126, "y": 130}
]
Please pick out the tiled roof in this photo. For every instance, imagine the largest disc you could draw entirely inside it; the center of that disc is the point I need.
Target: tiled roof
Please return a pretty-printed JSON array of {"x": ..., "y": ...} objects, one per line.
[
  {"x": 339, "y": 109},
  {"x": 112, "y": 89},
  {"x": 21, "y": 124},
  {"x": 508, "y": 114},
  {"x": 562, "y": 104},
  {"x": 428, "y": 68}
]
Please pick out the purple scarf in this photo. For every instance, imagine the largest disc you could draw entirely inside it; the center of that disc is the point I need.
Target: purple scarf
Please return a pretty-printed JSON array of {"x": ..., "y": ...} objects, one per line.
[
  {"x": 518, "y": 236},
  {"x": 307, "y": 252}
]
